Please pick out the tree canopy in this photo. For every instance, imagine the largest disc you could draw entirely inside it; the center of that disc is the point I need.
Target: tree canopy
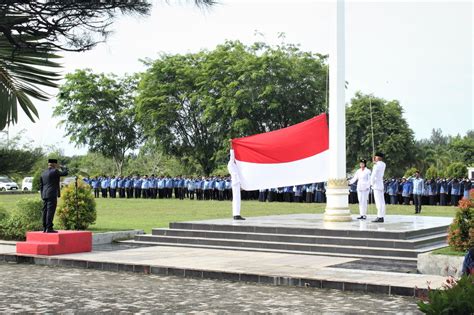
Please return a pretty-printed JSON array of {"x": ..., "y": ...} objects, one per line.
[
  {"x": 392, "y": 135},
  {"x": 33, "y": 32},
  {"x": 192, "y": 104},
  {"x": 98, "y": 111}
]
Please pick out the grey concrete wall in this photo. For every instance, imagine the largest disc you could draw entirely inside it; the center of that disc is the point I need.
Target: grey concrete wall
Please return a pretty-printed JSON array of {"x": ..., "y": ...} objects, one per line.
[
  {"x": 109, "y": 237},
  {"x": 442, "y": 265}
]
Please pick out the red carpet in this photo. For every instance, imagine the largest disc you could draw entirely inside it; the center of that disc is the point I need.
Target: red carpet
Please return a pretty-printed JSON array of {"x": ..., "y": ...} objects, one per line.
[{"x": 63, "y": 242}]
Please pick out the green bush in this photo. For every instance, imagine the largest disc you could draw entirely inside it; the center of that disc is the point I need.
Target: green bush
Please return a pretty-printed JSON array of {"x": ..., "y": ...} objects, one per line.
[
  {"x": 35, "y": 186},
  {"x": 66, "y": 213},
  {"x": 457, "y": 169},
  {"x": 432, "y": 172},
  {"x": 455, "y": 298},
  {"x": 4, "y": 214},
  {"x": 25, "y": 217},
  {"x": 410, "y": 172},
  {"x": 461, "y": 231}
]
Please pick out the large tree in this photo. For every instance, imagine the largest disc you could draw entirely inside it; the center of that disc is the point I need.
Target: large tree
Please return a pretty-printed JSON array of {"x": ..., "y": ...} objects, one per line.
[
  {"x": 391, "y": 132},
  {"x": 18, "y": 158},
  {"x": 98, "y": 112},
  {"x": 32, "y": 32},
  {"x": 193, "y": 104}
]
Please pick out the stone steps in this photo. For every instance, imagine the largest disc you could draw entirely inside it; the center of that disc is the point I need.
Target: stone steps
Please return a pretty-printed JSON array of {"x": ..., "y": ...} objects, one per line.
[
  {"x": 305, "y": 239},
  {"x": 398, "y": 239},
  {"x": 362, "y": 233},
  {"x": 319, "y": 249},
  {"x": 396, "y": 259}
]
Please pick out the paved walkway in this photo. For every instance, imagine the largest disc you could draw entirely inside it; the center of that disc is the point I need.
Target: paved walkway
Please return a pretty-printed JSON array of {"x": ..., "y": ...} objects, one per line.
[
  {"x": 286, "y": 266},
  {"x": 43, "y": 289}
]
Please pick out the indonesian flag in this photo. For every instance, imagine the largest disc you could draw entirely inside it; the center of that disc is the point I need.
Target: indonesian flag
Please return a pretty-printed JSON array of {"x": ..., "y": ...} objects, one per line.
[{"x": 295, "y": 155}]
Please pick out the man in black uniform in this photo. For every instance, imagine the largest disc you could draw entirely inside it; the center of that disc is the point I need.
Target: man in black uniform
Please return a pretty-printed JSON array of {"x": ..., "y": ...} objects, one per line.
[{"x": 50, "y": 191}]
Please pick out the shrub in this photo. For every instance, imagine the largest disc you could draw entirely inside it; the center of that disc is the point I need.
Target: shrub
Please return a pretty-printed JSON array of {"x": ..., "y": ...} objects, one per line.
[
  {"x": 456, "y": 297},
  {"x": 410, "y": 172},
  {"x": 457, "y": 169},
  {"x": 25, "y": 217},
  {"x": 35, "y": 185},
  {"x": 66, "y": 213},
  {"x": 461, "y": 231},
  {"x": 3, "y": 214},
  {"x": 431, "y": 172}
]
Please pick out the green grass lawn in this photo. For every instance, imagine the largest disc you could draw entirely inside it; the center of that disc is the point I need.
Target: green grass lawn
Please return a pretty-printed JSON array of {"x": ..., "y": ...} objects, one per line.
[
  {"x": 126, "y": 214},
  {"x": 448, "y": 251}
]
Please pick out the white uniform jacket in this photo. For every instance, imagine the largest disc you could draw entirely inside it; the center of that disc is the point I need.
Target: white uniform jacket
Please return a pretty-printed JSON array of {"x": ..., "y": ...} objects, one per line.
[
  {"x": 363, "y": 179},
  {"x": 376, "y": 179}
]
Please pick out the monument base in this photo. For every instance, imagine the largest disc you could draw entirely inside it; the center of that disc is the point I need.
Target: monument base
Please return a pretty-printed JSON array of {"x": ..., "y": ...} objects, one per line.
[
  {"x": 400, "y": 238},
  {"x": 63, "y": 242},
  {"x": 337, "y": 209}
]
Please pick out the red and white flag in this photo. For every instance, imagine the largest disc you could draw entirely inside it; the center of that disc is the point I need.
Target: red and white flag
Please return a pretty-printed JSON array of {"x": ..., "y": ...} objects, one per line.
[{"x": 295, "y": 155}]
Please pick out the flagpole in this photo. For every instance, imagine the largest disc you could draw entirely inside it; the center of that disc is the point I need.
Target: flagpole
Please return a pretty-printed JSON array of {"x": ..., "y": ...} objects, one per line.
[{"x": 337, "y": 207}]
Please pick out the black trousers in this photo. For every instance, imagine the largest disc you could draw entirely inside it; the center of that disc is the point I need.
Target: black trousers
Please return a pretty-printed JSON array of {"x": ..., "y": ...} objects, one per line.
[
  {"x": 96, "y": 192},
  {"x": 417, "y": 201},
  {"x": 442, "y": 199},
  {"x": 309, "y": 197},
  {"x": 138, "y": 192},
  {"x": 49, "y": 208}
]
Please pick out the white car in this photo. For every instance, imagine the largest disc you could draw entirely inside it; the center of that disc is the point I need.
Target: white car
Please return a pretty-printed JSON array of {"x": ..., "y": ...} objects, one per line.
[
  {"x": 27, "y": 183},
  {"x": 8, "y": 184},
  {"x": 66, "y": 181}
]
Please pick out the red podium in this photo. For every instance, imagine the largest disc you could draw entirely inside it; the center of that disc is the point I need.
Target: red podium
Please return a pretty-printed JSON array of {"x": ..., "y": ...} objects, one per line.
[{"x": 63, "y": 242}]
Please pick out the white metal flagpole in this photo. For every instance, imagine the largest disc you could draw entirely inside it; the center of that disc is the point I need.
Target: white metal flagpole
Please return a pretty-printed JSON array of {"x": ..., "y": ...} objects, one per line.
[{"x": 337, "y": 207}]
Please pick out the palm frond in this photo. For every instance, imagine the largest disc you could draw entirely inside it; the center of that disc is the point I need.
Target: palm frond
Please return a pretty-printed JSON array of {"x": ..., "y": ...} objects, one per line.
[{"x": 22, "y": 72}]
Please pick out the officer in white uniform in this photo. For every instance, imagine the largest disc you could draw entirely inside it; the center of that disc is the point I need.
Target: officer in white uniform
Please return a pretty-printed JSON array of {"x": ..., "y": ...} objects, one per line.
[
  {"x": 232, "y": 168},
  {"x": 376, "y": 180},
  {"x": 362, "y": 176}
]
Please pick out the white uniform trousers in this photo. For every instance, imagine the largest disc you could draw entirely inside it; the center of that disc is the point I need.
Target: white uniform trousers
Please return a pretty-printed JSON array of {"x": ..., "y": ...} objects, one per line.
[
  {"x": 363, "y": 196},
  {"x": 236, "y": 200},
  {"x": 379, "y": 202}
]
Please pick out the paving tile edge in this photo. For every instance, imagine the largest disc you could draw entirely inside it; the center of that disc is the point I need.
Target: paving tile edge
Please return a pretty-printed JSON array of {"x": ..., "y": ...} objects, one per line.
[{"x": 215, "y": 275}]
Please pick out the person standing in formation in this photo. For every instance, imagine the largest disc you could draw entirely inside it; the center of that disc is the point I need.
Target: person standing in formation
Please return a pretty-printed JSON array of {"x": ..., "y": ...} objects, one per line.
[
  {"x": 418, "y": 188},
  {"x": 376, "y": 180},
  {"x": 362, "y": 176}
]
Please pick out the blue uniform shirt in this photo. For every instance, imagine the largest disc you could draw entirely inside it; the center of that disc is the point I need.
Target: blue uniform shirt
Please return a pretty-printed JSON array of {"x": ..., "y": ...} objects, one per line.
[
  {"x": 113, "y": 183},
  {"x": 105, "y": 183}
]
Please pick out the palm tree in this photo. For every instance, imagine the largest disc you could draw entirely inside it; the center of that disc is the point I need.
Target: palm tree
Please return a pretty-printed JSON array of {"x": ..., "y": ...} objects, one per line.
[{"x": 22, "y": 70}]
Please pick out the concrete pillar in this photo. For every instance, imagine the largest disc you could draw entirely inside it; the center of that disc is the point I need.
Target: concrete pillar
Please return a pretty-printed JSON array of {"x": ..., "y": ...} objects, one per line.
[{"x": 337, "y": 207}]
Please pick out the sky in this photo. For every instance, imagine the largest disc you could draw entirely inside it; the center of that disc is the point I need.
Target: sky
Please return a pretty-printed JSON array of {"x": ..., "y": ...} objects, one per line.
[{"x": 417, "y": 52}]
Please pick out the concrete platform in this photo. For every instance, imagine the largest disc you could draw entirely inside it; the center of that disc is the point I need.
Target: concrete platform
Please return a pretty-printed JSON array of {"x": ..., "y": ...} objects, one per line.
[
  {"x": 259, "y": 267},
  {"x": 288, "y": 250},
  {"x": 393, "y": 223},
  {"x": 400, "y": 238}
]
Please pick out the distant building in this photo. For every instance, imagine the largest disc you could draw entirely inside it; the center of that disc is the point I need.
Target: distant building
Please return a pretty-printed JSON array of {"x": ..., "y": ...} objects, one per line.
[{"x": 470, "y": 172}]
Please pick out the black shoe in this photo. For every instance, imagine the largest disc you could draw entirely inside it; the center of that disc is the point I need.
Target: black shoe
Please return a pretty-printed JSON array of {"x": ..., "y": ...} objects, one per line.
[
  {"x": 238, "y": 217},
  {"x": 378, "y": 220},
  {"x": 51, "y": 231},
  {"x": 362, "y": 217},
  {"x": 44, "y": 230}
]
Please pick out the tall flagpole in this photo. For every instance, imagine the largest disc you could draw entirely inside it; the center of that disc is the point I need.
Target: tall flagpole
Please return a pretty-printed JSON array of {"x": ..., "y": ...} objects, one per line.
[{"x": 337, "y": 207}]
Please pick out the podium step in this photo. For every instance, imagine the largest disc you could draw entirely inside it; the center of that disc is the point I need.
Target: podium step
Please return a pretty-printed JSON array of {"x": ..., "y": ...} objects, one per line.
[{"x": 63, "y": 242}]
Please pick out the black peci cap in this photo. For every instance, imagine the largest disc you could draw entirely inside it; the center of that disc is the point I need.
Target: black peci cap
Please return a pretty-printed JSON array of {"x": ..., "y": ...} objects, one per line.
[
  {"x": 53, "y": 161},
  {"x": 380, "y": 154}
]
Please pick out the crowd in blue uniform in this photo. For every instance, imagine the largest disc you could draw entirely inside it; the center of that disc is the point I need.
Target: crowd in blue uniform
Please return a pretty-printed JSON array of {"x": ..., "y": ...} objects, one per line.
[
  {"x": 440, "y": 191},
  {"x": 153, "y": 187}
]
